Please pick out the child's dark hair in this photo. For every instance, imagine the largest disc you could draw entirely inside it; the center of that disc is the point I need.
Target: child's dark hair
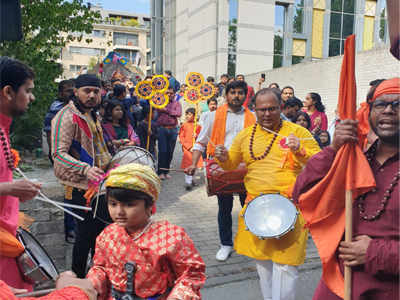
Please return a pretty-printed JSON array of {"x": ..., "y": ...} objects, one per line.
[
  {"x": 111, "y": 104},
  {"x": 213, "y": 99},
  {"x": 127, "y": 195},
  {"x": 190, "y": 110}
]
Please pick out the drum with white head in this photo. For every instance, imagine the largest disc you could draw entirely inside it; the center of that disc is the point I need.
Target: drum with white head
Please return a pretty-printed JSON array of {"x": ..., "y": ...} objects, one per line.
[{"x": 270, "y": 216}]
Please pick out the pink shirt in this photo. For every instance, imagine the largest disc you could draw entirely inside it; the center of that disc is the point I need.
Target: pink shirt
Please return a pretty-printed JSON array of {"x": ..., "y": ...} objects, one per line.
[
  {"x": 319, "y": 119},
  {"x": 9, "y": 212}
]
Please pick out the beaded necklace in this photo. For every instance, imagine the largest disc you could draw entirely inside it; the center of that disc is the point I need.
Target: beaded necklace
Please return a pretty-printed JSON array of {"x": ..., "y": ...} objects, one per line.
[
  {"x": 5, "y": 143},
  {"x": 386, "y": 196},
  {"x": 268, "y": 149}
]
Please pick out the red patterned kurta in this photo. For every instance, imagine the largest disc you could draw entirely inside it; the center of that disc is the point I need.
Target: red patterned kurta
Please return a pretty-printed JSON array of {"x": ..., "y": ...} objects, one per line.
[{"x": 165, "y": 257}]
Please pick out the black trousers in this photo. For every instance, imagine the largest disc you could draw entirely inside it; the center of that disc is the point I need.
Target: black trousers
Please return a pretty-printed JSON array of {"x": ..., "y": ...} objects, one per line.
[{"x": 86, "y": 232}]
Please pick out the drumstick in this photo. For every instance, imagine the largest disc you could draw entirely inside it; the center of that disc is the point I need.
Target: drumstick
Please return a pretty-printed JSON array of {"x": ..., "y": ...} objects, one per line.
[
  {"x": 65, "y": 204},
  {"x": 36, "y": 293},
  {"x": 49, "y": 200}
]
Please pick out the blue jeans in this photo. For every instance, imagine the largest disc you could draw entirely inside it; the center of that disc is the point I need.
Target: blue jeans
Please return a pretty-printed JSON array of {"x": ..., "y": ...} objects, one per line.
[
  {"x": 166, "y": 146},
  {"x": 225, "y": 204}
]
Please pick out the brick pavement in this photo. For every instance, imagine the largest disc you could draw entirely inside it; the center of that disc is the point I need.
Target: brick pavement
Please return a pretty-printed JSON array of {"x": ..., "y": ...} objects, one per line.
[{"x": 192, "y": 210}]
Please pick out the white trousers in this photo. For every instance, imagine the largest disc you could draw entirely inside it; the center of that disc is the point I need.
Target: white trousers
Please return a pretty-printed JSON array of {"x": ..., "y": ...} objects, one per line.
[
  {"x": 278, "y": 282},
  {"x": 188, "y": 179}
]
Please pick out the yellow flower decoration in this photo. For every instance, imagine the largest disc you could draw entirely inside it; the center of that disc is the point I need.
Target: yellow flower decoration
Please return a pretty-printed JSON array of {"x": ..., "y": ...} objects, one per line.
[
  {"x": 160, "y": 83},
  {"x": 207, "y": 91},
  {"x": 194, "y": 80},
  {"x": 159, "y": 100},
  {"x": 192, "y": 95},
  {"x": 144, "y": 89}
]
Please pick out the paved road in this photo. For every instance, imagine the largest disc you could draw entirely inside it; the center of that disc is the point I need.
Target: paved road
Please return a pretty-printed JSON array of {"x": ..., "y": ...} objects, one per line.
[{"x": 234, "y": 279}]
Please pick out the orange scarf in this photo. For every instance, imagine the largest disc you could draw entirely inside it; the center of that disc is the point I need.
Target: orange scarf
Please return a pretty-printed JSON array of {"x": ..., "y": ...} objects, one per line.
[{"x": 219, "y": 127}]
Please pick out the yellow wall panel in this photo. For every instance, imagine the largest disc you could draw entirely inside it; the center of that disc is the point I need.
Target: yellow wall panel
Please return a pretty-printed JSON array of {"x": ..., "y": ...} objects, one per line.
[
  {"x": 370, "y": 8},
  {"x": 299, "y": 47},
  {"x": 317, "y": 33},
  {"x": 320, "y": 4},
  {"x": 368, "y": 36}
]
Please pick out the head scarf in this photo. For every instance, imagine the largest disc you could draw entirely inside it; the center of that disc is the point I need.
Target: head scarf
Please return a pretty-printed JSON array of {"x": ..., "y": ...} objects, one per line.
[
  {"x": 87, "y": 80},
  {"x": 136, "y": 177},
  {"x": 386, "y": 87}
]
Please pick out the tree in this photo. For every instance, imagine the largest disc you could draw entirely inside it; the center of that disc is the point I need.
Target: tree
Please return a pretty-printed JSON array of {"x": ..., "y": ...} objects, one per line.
[
  {"x": 278, "y": 51},
  {"x": 382, "y": 25},
  {"x": 47, "y": 27},
  {"x": 232, "y": 44},
  {"x": 298, "y": 17}
]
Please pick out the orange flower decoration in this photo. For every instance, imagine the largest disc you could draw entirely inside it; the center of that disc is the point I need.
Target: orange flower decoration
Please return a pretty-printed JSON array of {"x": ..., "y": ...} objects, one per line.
[{"x": 16, "y": 157}]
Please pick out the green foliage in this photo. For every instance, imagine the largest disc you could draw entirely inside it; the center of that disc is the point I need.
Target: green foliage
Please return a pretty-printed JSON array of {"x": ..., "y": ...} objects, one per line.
[
  {"x": 232, "y": 45},
  {"x": 45, "y": 25},
  {"x": 278, "y": 51},
  {"x": 382, "y": 25},
  {"x": 298, "y": 17}
]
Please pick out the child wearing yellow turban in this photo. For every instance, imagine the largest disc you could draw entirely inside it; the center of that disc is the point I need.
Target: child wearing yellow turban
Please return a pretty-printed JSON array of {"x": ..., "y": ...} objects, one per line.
[{"x": 138, "y": 256}]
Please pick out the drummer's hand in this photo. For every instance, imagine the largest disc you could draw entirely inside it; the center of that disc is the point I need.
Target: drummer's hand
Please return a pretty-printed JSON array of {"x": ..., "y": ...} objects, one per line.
[
  {"x": 190, "y": 170},
  {"x": 22, "y": 189},
  {"x": 345, "y": 132},
  {"x": 69, "y": 279},
  {"x": 354, "y": 253},
  {"x": 17, "y": 291},
  {"x": 221, "y": 153},
  {"x": 293, "y": 142},
  {"x": 94, "y": 173}
]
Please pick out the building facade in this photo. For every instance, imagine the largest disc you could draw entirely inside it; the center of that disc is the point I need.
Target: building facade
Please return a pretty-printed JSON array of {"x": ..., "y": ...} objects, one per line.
[
  {"x": 248, "y": 36},
  {"x": 126, "y": 33}
]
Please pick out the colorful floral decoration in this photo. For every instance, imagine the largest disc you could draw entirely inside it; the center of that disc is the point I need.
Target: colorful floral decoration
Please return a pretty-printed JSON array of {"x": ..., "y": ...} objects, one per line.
[
  {"x": 159, "y": 100},
  {"x": 192, "y": 95},
  {"x": 16, "y": 157},
  {"x": 160, "y": 83},
  {"x": 194, "y": 80},
  {"x": 144, "y": 89},
  {"x": 207, "y": 91}
]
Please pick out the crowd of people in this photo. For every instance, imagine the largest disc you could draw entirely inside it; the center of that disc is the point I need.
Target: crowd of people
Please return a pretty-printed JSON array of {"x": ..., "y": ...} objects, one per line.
[{"x": 277, "y": 136}]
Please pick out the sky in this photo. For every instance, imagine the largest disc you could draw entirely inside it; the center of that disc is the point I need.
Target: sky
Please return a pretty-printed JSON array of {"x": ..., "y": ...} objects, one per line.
[{"x": 134, "y": 6}]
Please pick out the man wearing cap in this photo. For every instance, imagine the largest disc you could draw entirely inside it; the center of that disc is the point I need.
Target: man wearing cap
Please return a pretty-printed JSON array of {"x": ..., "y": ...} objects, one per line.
[
  {"x": 374, "y": 253},
  {"x": 80, "y": 155}
]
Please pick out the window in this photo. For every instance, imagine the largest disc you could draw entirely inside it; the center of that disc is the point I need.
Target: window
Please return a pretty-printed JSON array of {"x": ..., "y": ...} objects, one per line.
[
  {"x": 147, "y": 22},
  {"x": 148, "y": 59},
  {"x": 148, "y": 40},
  {"x": 341, "y": 25},
  {"x": 278, "y": 35},
  {"x": 76, "y": 68},
  {"x": 297, "y": 59},
  {"x": 298, "y": 16},
  {"x": 382, "y": 21},
  {"x": 87, "y": 51},
  {"x": 126, "y": 39},
  {"x": 128, "y": 54},
  {"x": 98, "y": 33},
  {"x": 232, "y": 38}
]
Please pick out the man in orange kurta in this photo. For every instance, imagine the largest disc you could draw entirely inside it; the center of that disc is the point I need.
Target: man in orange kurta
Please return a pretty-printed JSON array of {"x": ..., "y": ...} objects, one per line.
[{"x": 187, "y": 137}]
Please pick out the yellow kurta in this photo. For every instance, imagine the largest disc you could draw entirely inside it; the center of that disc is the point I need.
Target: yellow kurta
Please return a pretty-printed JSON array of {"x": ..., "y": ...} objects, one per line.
[{"x": 274, "y": 174}]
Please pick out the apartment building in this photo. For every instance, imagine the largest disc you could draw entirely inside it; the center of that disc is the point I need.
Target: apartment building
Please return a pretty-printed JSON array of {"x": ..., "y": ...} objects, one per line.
[{"x": 123, "y": 32}]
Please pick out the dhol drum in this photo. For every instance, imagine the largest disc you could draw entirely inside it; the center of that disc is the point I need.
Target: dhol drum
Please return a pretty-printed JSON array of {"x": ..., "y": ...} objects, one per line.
[
  {"x": 270, "y": 216},
  {"x": 36, "y": 265},
  {"x": 219, "y": 181},
  {"x": 127, "y": 155}
]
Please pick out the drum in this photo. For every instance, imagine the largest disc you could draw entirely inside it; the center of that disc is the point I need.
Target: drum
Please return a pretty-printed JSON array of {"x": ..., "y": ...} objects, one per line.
[
  {"x": 127, "y": 155},
  {"x": 219, "y": 181},
  {"x": 36, "y": 265},
  {"x": 270, "y": 216}
]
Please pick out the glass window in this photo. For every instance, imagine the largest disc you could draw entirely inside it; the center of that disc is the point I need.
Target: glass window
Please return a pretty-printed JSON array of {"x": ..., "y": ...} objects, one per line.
[
  {"x": 298, "y": 16},
  {"x": 126, "y": 39},
  {"x": 76, "y": 68},
  {"x": 148, "y": 40},
  {"x": 341, "y": 25},
  {"x": 99, "y": 33},
  {"x": 382, "y": 21},
  {"x": 148, "y": 58},
  {"x": 232, "y": 37},
  {"x": 87, "y": 51},
  {"x": 278, "y": 35},
  {"x": 297, "y": 59}
]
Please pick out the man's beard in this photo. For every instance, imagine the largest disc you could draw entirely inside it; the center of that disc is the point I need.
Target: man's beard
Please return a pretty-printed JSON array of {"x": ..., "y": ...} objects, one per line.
[
  {"x": 84, "y": 106},
  {"x": 15, "y": 113}
]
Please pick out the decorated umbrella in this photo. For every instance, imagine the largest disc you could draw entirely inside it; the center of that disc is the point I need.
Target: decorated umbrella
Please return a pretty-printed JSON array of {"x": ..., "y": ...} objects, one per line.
[{"x": 327, "y": 207}]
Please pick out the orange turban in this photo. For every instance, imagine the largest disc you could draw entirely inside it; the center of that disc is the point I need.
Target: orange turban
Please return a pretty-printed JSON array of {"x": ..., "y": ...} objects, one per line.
[{"x": 387, "y": 87}]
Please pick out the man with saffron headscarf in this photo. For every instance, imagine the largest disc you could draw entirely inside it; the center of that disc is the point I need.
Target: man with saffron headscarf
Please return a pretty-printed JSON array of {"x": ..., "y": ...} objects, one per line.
[
  {"x": 274, "y": 152},
  {"x": 221, "y": 127},
  {"x": 137, "y": 257},
  {"x": 374, "y": 253}
]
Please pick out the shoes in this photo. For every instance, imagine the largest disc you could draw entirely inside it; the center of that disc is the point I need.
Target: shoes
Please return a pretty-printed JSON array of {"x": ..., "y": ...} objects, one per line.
[
  {"x": 224, "y": 252},
  {"x": 167, "y": 176},
  {"x": 188, "y": 187},
  {"x": 70, "y": 237},
  {"x": 162, "y": 176}
]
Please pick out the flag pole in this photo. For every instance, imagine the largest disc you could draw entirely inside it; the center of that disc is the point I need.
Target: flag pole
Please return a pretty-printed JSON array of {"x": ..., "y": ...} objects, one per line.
[
  {"x": 195, "y": 123},
  {"x": 348, "y": 238},
  {"x": 149, "y": 128}
]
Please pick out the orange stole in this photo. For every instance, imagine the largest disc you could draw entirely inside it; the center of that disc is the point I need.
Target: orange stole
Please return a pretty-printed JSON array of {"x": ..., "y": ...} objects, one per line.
[{"x": 219, "y": 127}]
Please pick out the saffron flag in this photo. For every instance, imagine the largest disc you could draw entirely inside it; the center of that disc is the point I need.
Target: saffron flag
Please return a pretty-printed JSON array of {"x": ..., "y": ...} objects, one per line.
[{"x": 323, "y": 206}]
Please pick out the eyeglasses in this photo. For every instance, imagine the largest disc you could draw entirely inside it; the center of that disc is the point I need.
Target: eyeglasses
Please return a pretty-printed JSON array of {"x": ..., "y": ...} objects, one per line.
[
  {"x": 380, "y": 105},
  {"x": 271, "y": 109}
]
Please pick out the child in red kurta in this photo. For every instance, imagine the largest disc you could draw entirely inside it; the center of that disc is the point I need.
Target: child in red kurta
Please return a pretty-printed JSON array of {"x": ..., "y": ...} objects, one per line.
[{"x": 187, "y": 136}]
